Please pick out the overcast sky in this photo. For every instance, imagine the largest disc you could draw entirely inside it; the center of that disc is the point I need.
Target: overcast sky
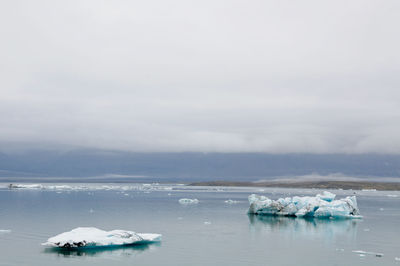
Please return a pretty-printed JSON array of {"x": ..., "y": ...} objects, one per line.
[{"x": 229, "y": 76}]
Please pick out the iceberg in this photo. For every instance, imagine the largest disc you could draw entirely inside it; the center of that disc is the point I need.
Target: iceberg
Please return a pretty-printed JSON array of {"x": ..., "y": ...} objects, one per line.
[
  {"x": 188, "y": 201},
  {"x": 321, "y": 206},
  {"x": 94, "y": 237}
]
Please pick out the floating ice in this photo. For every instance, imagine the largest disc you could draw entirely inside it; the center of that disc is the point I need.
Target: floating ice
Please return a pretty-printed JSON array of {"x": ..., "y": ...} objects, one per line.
[
  {"x": 362, "y": 252},
  {"x": 188, "y": 201},
  {"x": 90, "y": 187},
  {"x": 321, "y": 206},
  {"x": 4, "y": 231},
  {"x": 229, "y": 201},
  {"x": 94, "y": 237},
  {"x": 26, "y": 186}
]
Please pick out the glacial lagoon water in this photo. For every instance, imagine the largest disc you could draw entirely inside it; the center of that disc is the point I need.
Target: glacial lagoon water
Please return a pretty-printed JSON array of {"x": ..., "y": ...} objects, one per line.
[{"x": 211, "y": 232}]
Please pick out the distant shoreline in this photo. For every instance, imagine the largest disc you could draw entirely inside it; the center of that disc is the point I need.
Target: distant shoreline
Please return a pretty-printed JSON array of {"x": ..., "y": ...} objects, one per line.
[{"x": 355, "y": 185}]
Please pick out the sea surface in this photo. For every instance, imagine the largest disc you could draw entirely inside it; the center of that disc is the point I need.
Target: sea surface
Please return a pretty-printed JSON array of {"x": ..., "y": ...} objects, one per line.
[{"x": 212, "y": 232}]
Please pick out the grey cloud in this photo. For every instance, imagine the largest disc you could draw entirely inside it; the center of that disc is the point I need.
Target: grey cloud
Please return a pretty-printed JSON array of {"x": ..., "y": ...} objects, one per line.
[{"x": 229, "y": 76}]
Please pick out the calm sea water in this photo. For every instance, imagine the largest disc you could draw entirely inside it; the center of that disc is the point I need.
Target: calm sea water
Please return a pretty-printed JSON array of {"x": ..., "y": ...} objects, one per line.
[{"x": 209, "y": 233}]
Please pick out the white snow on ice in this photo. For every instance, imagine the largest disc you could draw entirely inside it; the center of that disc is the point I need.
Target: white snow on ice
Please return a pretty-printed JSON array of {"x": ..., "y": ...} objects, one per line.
[{"x": 94, "y": 237}]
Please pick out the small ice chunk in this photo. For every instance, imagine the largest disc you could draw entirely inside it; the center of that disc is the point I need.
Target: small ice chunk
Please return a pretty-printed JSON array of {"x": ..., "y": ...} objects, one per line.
[
  {"x": 188, "y": 201},
  {"x": 229, "y": 201},
  {"x": 397, "y": 259},
  {"x": 362, "y": 252},
  {"x": 26, "y": 186},
  {"x": 391, "y": 196},
  {"x": 5, "y": 231},
  {"x": 94, "y": 237},
  {"x": 207, "y": 223}
]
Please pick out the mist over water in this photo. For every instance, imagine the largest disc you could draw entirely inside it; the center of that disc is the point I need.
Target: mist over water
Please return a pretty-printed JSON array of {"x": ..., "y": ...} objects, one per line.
[{"x": 115, "y": 166}]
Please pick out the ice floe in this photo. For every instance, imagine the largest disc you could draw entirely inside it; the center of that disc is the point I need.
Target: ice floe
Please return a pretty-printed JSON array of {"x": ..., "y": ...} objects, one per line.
[
  {"x": 320, "y": 206},
  {"x": 26, "y": 186},
  {"x": 362, "y": 252},
  {"x": 229, "y": 201},
  {"x": 94, "y": 237},
  {"x": 4, "y": 231},
  {"x": 188, "y": 201}
]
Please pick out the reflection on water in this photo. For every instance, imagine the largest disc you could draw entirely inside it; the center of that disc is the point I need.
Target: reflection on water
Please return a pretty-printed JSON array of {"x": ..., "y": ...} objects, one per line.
[
  {"x": 125, "y": 250},
  {"x": 308, "y": 227}
]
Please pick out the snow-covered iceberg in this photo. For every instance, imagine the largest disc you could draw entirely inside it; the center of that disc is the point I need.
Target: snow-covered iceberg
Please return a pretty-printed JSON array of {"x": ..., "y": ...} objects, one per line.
[
  {"x": 94, "y": 237},
  {"x": 321, "y": 206}
]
